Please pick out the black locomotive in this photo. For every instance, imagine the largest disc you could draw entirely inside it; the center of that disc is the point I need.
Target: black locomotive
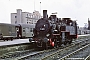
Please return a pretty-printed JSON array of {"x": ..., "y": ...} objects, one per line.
[{"x": 53, "y": 31}]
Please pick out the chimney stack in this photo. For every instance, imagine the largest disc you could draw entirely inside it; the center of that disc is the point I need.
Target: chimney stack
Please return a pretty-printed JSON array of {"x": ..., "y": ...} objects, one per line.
[{"x": 44, "y": 13}]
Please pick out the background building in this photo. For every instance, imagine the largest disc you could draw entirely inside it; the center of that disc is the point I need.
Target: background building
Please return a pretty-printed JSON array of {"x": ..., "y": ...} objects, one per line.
[
  {"x": 25, "y": 17},
  {"x": 88, "y": 24}
]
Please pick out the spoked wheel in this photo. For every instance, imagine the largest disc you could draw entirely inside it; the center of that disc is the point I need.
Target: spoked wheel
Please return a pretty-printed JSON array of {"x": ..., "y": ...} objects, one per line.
[
  {"x": 56, "y": 45},
  {"x": 59, "y": 44},
  {"x": 45, "y": 46},
  {"x": 70, "y": 41},
  {"x": 65, "y": 42}
]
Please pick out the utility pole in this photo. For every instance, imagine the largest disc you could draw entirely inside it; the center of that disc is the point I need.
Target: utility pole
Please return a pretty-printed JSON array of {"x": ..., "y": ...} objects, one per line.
[
  {"x": 40, "y": 7},
  {"x": 34, "y": 5}
]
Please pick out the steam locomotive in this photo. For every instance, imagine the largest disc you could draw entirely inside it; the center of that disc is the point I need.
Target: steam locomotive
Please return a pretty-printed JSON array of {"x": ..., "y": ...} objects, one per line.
[{"x": 53, "y": 31}]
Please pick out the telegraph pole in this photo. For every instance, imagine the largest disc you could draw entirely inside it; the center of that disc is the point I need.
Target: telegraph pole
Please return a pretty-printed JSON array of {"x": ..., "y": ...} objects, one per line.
[
  {"x": 40, "y": 7},
  {"x": 34, "y": 5}
]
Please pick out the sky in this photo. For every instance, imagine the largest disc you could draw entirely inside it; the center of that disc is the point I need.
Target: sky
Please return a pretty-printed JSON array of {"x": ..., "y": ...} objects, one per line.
[{"x": 75, "y": 9}]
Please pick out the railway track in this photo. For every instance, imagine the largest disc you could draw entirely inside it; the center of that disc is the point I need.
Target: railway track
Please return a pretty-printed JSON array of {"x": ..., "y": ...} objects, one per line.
[
  {"x": 44, "y": 55},
  {"x": 15, "y": 50},
  {"x": 12, "y": 55},
  {"x": 52, "y": 53},
  {"x": 19, "y": 55},
  {"x": 59, "y": 54},
  {"x": 80, "y": 53}
]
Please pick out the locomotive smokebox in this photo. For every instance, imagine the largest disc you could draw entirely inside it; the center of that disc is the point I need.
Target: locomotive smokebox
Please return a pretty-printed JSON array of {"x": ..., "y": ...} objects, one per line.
[{"x": 44, "y": 13}]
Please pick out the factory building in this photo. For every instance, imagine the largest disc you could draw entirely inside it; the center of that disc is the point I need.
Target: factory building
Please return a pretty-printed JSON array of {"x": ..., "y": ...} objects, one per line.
[{"x": 25, "y": 17}]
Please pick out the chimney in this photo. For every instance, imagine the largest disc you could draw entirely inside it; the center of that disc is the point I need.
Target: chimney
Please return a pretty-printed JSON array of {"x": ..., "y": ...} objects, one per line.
[
  {"x": 44, "y": 13},
  {"x": 19, "y": 15}
]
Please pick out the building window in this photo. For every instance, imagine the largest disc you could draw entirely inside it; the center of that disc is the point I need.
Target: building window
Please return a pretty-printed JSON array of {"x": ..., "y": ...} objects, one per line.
[
  {"x": 31, "y": 30},
  {"x": 27, "y": 15},
  {"x": 15, "y": 22},
  {"x": 32, "y": 16},
  {"x": 15, "y": 16}
]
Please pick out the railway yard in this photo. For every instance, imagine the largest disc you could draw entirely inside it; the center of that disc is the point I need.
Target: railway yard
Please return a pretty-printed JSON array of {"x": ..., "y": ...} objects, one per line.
[
  {"x": 79, "y": 49},
  {"x": 60, "y": 30},
  {"x": 50, "y": 38}
]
